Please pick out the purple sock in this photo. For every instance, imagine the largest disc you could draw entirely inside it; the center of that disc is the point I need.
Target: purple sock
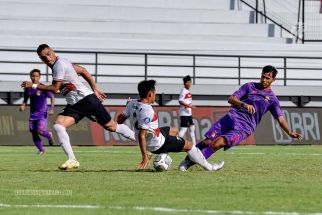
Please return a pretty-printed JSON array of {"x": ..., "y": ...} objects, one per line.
[
  {"x": 201, "y": 145},
  {"x": 46, "y": 134},
  {"x": 207, "y": 151}
]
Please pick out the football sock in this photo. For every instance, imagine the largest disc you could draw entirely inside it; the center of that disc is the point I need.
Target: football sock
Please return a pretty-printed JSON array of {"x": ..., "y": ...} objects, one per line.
[
  {"x": 206, "y": 154},
  {"x": 197, "y": 157},
  {"x": 64, "y": 140},
  {"x": 37, "y": 141},
  {"x": 125, "y": 131},
  {"x": 207, "y": 151},
  {"x": 201, "y": 145},
  {"x": 192, "y": 134},
  {"x": 182, "y": 132}
]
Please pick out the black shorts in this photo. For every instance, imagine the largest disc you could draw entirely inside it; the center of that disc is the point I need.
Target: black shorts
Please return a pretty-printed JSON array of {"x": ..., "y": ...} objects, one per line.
[
  {"x": 171, "y": 143},
  {"x": 186, "y": 121},
  {"x": 90, "y": 107}
]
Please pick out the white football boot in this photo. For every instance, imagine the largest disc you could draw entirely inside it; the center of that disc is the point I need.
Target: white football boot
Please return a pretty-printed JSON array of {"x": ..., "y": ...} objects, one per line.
[
  {"x": 218, "y": 166},
  {"x": 69, "y": 164}
]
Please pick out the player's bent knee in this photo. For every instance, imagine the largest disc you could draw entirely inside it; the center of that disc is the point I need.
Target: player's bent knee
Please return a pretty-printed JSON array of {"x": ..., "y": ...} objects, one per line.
[{"x": 187, "y": 146}]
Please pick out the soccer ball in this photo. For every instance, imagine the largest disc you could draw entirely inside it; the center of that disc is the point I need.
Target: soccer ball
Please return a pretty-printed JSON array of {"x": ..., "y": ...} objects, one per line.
[{"x": 162, "y": 162}]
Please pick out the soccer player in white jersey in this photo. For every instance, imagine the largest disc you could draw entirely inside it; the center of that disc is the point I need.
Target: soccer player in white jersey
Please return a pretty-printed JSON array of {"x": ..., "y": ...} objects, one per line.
[
  {"x": 185, "y": 101},
  {"x": 154, "y": 139},
  {"x": 81, "y": 100}
]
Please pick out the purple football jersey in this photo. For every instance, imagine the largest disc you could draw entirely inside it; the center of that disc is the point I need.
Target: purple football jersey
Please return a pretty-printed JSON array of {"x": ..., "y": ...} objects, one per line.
[
  {"x": 38, "y": 102},
  {"x": 262, "y": 100}
]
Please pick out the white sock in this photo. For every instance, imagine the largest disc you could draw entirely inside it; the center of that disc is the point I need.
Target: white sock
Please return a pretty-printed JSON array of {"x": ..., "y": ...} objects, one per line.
[
  {"x": 182, "y": 132},
  {"x": 125, "y": 131},
  {"x": 196, "y": 156},
  {"x": 192, "y": 134},
  {"x": 64, "y": 140}
]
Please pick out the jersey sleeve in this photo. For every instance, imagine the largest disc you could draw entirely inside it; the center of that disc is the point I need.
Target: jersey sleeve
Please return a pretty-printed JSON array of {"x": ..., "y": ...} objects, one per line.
[
  {"x": 145, "y": 118},
  {"x": 59, "y": 71},
  {"x": 275, "y": 109},
  {"x": 182, "y": 95},
  {"x": 242, "y": 91}
]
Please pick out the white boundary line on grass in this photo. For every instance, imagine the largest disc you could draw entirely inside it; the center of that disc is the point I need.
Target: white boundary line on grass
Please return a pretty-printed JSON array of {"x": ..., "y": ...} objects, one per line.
[
  {"x": 50, "y": 206},
  {"x": 157, "y": 209}
]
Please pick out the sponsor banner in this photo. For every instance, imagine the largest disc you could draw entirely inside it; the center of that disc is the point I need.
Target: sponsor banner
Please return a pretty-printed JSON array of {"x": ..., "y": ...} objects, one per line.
[
  {"x": 305, "y": 121},
  {"x": 14, "y": 128},
  {"x": 203, "y": 118}
]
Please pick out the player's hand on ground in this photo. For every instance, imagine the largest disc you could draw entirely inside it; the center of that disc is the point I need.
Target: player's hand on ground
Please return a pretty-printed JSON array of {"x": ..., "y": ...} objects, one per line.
[
  {"x": 26, "y": 84},
  {"x": 250, "y": 108},
  {"x": 296, "y": 135},
  {"x": 100, "y": 95},
  {"x": 144, "y": 163}
]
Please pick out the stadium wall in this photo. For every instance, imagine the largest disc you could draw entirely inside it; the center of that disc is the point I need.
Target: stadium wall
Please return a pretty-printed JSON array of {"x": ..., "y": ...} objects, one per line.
[{"x": 14, "y": 126}]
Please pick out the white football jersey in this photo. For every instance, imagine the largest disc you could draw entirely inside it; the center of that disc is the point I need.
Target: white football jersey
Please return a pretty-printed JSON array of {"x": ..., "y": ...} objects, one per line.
[
  {"x": 144, "y": 117},
  {"x": 72, "y": 87},
  {"x": 186, "y": 97}
]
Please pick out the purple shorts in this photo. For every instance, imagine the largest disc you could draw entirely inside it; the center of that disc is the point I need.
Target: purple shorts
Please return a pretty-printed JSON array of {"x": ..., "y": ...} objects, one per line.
[
  {"x": 38, "y": 124},
  {"x": 226, "y": 127}
]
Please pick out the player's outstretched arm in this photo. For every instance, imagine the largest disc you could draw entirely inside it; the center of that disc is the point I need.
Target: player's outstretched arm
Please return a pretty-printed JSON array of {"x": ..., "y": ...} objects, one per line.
[
  {"x": 88, "y": 77},
  {"x": 142, "y": 142},
  {"x": 54, "y": 87},
  {"x": 283, "y": 123}
]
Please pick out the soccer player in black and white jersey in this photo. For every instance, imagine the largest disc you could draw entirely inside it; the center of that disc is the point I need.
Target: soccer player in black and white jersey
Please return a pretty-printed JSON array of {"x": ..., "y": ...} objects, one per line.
[
  {"x": 81, "y": 100},
  {"x": 185, "y": 110},
  {"x": 157, "y": 140}
]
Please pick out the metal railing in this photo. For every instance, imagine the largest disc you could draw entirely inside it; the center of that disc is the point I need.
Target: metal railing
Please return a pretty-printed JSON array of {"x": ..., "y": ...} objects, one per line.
[
  {"x": 301, "y": 19},
  {"x": 131, "y": 67}
]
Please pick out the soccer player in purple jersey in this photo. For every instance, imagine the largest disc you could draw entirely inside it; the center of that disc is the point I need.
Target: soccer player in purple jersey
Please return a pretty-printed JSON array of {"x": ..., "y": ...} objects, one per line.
[
  {"x": 38, "y": 111},
  {"x": 249, "y": 104}
]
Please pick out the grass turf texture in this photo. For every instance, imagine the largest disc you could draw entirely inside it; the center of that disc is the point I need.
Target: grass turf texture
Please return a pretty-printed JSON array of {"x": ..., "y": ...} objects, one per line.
[{"x": 255, "y": 179}]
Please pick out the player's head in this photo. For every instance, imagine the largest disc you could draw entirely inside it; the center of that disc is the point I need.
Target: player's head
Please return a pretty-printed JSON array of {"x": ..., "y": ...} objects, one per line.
[
  {"x": 46, "y": 54},
  {"x": 147, "y": 90},
  {"x": 268, "y": 76},
  {"x": 35, "y": 76},
  {"x": 187, "y": 82}
]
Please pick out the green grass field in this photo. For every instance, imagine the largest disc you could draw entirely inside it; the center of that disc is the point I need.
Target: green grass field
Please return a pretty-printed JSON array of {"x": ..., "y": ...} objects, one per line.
[{"x": 271, "y": 180}]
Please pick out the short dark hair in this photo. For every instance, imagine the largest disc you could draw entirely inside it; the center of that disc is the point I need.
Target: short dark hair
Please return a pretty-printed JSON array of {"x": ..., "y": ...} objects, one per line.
[
  {"x": 187, "y": 78},
  {"x": 35, "y": 70},
  {"x": 269, "y": 68},
  {"x": 42, "y": 47},
  {"x": 144, "y": 87}
]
